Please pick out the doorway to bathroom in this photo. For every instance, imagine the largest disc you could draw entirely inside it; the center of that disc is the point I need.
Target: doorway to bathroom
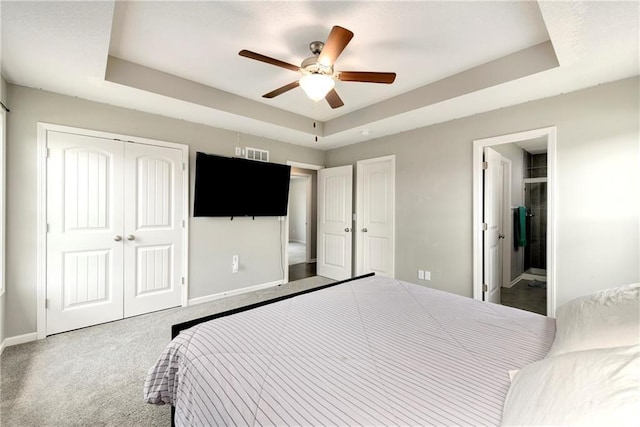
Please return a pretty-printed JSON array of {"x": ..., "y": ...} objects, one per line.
[
  {"x": 527, "y": 285},
  {"x": 513, "y": 220}
]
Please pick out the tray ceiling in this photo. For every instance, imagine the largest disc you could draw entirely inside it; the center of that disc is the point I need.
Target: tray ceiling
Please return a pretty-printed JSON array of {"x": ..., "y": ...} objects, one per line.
[{"x": 452, "y": 59}]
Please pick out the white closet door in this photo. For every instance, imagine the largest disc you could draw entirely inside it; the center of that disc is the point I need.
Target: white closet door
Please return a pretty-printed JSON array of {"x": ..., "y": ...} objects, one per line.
[
  {"x": 334, "y": 222},
  {"x": 153, "y": 228},
  {"x": 375, "y": 212},
  {"x": 84, "y": 241}
]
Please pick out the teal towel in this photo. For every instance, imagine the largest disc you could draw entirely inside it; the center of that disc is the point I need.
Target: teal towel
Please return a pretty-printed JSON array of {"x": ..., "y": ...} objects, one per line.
[{"x": 522, "y": 226}]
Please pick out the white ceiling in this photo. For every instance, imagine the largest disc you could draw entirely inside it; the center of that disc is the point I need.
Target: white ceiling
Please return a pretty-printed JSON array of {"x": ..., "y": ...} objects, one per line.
[{"x": 452, "y": 59}]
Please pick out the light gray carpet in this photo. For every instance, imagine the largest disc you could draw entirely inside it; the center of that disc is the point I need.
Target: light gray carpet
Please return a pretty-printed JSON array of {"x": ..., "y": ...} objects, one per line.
[{"x": 94, "y": 376}]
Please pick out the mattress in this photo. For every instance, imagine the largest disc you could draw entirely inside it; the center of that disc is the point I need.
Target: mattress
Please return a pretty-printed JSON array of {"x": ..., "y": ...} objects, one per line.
[{"x": 373, "y": 351}]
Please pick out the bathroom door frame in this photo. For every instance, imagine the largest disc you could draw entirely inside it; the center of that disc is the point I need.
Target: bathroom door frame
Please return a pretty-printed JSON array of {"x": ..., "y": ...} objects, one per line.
[{"x": 550, "y": 133}]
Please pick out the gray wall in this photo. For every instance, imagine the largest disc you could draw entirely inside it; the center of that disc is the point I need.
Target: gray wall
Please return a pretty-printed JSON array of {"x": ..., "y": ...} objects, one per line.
[
  {"x": 516, "y": 155},
  {"x": 213, "y": 241},
  {"x": 311, "y": 240},
  {"x": 3, "y": 98},
  {"x": 598, "y": 236},
  {"x": 298, "y": 210}
]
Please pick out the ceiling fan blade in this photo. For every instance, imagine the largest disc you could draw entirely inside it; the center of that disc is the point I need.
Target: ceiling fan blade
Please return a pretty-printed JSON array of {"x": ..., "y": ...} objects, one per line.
[
  {"x": 268, "y": 60},
  {"x": 366, "y": 77},
  {"x": 336, "y": 42},
  {"x": 281, "y": 90},
  {"x": 333, "y": 99}
]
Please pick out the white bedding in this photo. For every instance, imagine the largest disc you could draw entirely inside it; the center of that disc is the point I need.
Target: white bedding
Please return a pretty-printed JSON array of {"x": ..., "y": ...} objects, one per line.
[
  {"x": 374, "y": 351},
  {"x": 608, "y": 318},
  {"x": 597, "y": 387}
]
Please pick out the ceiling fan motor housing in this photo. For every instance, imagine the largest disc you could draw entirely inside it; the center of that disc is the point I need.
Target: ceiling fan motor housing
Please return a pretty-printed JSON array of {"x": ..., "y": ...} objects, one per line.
[{"x": 312, "y": 66}]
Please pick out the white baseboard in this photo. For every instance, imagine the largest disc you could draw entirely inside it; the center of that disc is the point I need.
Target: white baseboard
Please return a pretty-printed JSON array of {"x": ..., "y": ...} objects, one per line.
[
  {"x": 217, "y": 296},
  {"x": 20, "y": 339},
  {"x": 528, "y": 276},
  {"x": 2, "y": 345},
  {"x": 513, "y": 282}
]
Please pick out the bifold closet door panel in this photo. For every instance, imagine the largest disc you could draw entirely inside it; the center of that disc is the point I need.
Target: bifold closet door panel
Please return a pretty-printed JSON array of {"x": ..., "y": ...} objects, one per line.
[
  {"x": 153, "y": 228},
  {"x": 84, "y": 240}
]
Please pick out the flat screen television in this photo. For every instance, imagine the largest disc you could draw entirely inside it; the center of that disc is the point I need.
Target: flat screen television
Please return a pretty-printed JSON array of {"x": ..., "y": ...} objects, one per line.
[{"x": 233, "y": 187}]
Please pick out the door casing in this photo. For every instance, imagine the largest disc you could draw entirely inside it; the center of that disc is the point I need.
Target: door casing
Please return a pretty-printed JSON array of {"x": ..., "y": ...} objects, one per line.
[{"x": 41, "y": 264}]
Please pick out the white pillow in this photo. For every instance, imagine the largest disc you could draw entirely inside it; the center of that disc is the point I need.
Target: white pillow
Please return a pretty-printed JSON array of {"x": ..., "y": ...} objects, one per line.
[
  {"x": 599, "y": 387},
  {"x": 609, "y": 318}
]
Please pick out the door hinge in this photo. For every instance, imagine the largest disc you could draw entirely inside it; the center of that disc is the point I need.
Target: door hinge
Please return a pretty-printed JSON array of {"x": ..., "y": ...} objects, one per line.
[
  {"x": 184, "y": 166},
  {"x": 46, "y": 303},
  {"x": 183, "y": 223},
  {"x": 485, "y": 288},
  {"x": 47, "y": 228},
  {"x": 485, "y": 165},
  {"x": 47, "y": 153},
  {"x": 485, "y": 227},
  {"x": 183, "y": 280}
]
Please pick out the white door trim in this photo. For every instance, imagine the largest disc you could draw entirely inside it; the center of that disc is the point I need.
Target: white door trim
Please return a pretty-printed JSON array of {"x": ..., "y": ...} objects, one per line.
[
  {"x": 359, "y": 251},
  {"x": 41, "y": 162},
  {"x": 478, "y": 145},
  {"x": 304, "y": 165},
  {"x": 3, "y": 202}
]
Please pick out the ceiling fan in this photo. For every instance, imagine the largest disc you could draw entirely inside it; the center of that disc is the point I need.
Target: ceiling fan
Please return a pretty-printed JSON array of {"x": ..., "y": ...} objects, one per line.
[{"x": 319, "y": 77}]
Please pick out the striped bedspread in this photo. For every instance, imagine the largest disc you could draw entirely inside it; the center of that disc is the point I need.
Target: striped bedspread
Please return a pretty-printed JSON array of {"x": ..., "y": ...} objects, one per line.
[{"x": 374, "y": 351}]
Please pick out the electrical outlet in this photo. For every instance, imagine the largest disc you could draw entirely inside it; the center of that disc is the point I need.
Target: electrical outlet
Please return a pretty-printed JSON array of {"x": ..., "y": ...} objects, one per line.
[
  {"x": 427, "y": 275},
  {"x": 235, "y": 263},
  {"x": 421, "y": 274}
]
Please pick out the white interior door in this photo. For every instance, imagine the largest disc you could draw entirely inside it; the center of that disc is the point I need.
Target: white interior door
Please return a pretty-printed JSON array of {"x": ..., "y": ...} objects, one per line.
[
  {"x": 375, "y": 216},
  {"x": 153, "y": 227},
  {"x": 335, "y": 192},
  {"x": 84, "y": 240},
  {"x": 492, "y": 213}
]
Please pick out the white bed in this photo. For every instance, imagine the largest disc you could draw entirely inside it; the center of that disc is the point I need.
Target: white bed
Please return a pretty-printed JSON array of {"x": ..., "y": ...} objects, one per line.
[{"x": 373, "y": 351}]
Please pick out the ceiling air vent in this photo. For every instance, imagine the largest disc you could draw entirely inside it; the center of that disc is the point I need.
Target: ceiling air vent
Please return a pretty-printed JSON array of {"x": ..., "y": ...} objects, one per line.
[{"x": 257, "y": 154}]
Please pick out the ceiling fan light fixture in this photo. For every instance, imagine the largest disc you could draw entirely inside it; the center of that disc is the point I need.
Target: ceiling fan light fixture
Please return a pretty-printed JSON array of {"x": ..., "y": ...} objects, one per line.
[{"x": 316, "y": 86}]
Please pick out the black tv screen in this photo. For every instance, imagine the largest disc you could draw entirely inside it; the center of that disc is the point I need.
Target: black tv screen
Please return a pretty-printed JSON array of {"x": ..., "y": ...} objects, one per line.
[{"x": 229, "y": 186}]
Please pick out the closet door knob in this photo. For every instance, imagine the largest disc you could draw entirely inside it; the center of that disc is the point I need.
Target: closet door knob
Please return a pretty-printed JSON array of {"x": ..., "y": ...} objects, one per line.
[
  {"x": 347, "y": 229},
  {"x": 500, "y": 236},
  {"x": 364, "y": 230},
  {"x": 117, "y": 238},
  {"x": 131, "y": 237}
]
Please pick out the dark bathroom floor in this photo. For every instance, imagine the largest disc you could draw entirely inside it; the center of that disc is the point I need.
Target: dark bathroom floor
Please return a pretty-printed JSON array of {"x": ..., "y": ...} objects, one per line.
[{"x": 526, "y": 295}]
